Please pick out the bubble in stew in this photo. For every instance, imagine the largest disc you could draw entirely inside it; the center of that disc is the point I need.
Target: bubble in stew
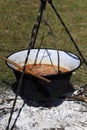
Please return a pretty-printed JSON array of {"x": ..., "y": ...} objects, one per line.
[{"x": 45, "y": 69}]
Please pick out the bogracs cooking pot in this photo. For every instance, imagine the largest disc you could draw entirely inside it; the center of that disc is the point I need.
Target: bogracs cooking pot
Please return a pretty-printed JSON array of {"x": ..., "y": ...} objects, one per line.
[{"x": 36, "y": 89}]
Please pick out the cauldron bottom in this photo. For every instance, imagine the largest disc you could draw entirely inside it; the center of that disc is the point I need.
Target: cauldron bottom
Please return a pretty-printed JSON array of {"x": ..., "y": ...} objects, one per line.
[{"x": 38, "y": 90}]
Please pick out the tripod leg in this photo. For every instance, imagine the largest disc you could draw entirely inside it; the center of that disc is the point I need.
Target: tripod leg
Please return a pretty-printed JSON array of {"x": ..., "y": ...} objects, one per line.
[
  {"x": 31, "y": 44},
  {"x": 66, "y": 29}
]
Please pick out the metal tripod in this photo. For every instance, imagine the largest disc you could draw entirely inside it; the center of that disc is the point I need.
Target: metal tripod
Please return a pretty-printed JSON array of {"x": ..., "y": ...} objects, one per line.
[{"x": 32, "y": 44}]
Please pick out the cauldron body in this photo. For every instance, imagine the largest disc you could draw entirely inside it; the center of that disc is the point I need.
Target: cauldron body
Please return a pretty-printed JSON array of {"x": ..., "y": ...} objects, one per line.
[{"x": 36, "y": 89}]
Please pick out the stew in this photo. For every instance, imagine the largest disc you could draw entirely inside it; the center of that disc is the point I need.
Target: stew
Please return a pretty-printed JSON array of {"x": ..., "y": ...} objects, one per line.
[{"x": 45, "y": 69}]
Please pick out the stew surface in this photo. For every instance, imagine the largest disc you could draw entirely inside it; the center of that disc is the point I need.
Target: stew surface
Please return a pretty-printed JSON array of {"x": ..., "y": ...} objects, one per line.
[{"x": 45, "y": 69}]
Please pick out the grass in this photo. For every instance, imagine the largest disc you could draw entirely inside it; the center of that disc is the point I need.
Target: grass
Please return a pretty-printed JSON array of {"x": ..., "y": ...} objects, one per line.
[{"x": 16, "y": 22}]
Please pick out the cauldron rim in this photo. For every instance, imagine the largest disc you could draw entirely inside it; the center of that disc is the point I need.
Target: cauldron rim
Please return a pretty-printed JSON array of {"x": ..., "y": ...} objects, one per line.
[{"x": 70, "y": 71}]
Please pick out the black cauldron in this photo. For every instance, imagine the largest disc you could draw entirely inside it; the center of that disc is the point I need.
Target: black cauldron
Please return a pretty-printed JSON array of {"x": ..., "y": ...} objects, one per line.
[{"x": 39, "y": 90}]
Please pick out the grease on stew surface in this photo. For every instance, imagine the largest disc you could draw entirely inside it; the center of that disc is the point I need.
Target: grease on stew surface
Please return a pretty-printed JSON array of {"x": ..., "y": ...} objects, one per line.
[{"x": 45, "y": 69}]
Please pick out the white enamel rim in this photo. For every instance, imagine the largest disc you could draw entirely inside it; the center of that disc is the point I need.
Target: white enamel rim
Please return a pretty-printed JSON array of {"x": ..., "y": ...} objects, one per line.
[{"x": 46, "y": 56}]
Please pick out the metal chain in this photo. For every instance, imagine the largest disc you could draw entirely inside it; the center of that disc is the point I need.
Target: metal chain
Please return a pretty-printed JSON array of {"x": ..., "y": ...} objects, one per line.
[
  {"x": 37, "y": 24},
  {"x": 51, "y": 32}
]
